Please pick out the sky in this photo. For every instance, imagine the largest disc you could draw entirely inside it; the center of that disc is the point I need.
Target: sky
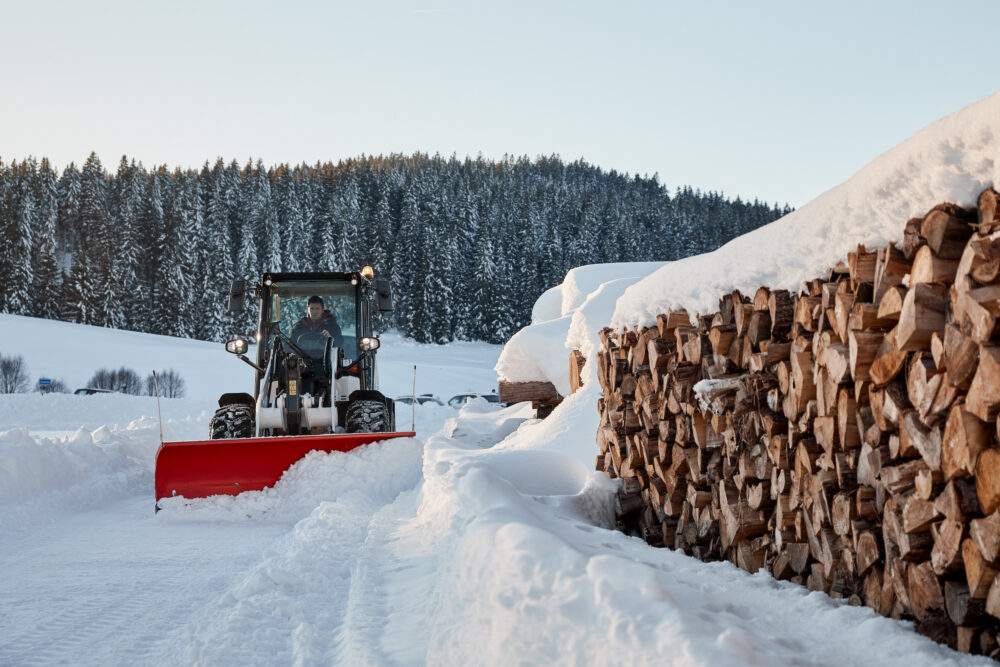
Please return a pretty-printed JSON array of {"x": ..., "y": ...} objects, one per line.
[{"x": 778, "y": 101}]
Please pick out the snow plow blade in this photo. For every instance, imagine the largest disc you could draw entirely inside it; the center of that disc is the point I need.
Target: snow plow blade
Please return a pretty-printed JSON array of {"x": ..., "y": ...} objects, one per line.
[{"x": 203, "y": 468}]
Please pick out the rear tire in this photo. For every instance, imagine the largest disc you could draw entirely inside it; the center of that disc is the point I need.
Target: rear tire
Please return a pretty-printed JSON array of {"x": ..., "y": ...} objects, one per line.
[
  {"x": 232, "y": 421},
  {"x": 366, "y": 416}
]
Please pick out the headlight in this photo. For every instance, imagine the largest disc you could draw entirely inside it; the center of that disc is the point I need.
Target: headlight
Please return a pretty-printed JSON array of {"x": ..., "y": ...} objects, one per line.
[
  {"x": 237, "y": 346},
  {"x": 369, "y": 344}
]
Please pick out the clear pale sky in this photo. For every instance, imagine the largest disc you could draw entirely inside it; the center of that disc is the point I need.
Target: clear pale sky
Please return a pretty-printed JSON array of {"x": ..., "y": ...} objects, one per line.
[{"x": 775, "y": 100}]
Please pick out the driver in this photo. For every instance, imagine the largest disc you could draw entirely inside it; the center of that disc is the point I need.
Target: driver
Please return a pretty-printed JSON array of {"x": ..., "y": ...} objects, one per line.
[{"x": 318, "y": 320}]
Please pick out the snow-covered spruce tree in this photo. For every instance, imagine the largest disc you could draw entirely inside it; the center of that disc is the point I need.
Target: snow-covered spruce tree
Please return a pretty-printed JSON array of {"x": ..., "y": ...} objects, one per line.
[
  {"x": 483, "y": 311},
  {"x": 46, "y": 284},
  {"x": 347, "y": 217},
  {"x": 150, "y": 228},
  {"x": 199, "y": 315},
  {"x": 263, "y": 217},
  {"x": 173, "y": 286},
  {"x": 443, "y": 276},
  {"x": 22, "y": 231},
  {"x": 381, "y": 249},
  {"x": 68, "y": 222},
  {"x": 127, "y": 197},
  {"x": 6, "y": 231},
  {"x": 291, "y": 228},
  {"x": 97, "y": 241},
  {"x": 408, "y": 278},
  {"x": 215, "y": 267},
  {"x": 245, "y": 233}
]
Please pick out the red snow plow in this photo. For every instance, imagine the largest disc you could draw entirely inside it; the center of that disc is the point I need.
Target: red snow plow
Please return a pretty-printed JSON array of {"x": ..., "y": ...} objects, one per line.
[
  {"x": 315, "y": 386},
  {"x": 229, "y": 467}
]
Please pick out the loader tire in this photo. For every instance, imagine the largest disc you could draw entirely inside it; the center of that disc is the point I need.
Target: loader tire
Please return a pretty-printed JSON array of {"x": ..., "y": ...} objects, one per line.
[
  {"x": 366, "y": 416},
  {"x": 232, "y": 421},
  {"x": 235, "y": 399}
]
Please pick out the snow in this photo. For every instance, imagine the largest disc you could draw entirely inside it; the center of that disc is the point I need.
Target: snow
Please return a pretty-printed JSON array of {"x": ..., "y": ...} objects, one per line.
[
  {"x": 487, "y": 539},
  {"x": 568, "y": 316},
  {"x": 951, "y": 160}
]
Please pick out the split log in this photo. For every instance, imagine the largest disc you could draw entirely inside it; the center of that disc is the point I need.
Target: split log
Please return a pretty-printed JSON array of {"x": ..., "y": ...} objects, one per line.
[
  {"x": 946, "y": 229},
  {"x": 965, "y": 436},
  {"x": 962, "y": 608},
  {"x": 926, "y": 595},
  {"x": 962, "y": 354},
  {"x": 782, "y": 313},
  {"x": 928, "y": 267},
  {"x": 923, "y": 313},
  {"x": 946, "y": 556},
  {"x": 890, "y": 304},
  {"x": 889, "y": 361},
  {"x": 988, "y": 480},
  {"x": 958, "y": 500},
  {"x": 912, "y": 240},
  {"x": 978, "y": 573},
  {"x": 984, "y": 391},
  {"x": 986, "y": 534},
  {"x": 989, "y": 211},
  {"x": 576, "y": 362}
]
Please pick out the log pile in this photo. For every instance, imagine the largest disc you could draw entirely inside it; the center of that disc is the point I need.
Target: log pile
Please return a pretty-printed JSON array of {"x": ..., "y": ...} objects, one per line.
[{"x": 844, "y": 437}]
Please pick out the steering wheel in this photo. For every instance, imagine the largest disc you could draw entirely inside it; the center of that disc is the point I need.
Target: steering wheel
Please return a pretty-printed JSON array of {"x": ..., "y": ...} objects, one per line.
[{"x": 313, "y": 343}]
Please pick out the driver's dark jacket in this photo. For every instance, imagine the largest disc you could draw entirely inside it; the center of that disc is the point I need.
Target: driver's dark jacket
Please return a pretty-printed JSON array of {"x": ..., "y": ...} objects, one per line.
[{"x": 327, "y": 322}]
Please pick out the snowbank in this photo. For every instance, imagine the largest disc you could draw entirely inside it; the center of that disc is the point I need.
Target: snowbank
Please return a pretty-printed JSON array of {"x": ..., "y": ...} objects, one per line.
[
  {"x": 951, "y": 160},
  {"x": 568, "y": 316}
]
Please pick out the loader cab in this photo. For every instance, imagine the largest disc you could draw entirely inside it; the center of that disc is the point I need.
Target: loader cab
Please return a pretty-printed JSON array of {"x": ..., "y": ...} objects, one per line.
[
  {"x": 351, "y": 299},
  {"x": 287, "y": 306}
]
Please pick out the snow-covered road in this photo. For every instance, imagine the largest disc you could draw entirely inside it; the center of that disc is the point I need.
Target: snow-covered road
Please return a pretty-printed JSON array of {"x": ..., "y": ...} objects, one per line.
[{"x": 110, "y": 585}]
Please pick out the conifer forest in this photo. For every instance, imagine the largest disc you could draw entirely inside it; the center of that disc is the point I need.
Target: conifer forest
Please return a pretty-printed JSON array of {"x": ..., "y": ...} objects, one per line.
[{"x": 469, "y": 244}]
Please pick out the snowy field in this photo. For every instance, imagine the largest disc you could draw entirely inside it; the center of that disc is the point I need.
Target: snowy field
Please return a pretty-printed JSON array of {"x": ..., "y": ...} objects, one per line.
[{"x": 487, "y": 539}]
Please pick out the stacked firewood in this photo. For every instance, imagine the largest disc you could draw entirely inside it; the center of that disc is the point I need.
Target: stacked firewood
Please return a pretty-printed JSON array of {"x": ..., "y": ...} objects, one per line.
[{"x": 844, "y": 438}]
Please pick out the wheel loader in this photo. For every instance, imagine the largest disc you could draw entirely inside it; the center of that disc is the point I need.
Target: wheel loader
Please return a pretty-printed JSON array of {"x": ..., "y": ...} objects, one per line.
[{"x": 315, "y": 386}]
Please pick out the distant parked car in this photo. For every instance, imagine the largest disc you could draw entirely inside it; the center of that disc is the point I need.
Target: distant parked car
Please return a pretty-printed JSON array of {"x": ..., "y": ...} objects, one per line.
[
  {"x": 422, "y": 399},
  {"x": 458, "y": 400},
  {"x": 89, "y": 391}
]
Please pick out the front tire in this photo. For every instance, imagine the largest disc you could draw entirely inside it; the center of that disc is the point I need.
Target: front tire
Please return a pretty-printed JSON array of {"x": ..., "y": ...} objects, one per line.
[
  {"x": 232, "y": 421},
  {"x": 367, "y": 416}
]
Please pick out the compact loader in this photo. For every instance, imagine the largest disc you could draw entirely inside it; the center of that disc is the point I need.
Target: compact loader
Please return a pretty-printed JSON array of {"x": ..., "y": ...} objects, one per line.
[{"x": 315, "y": 387}]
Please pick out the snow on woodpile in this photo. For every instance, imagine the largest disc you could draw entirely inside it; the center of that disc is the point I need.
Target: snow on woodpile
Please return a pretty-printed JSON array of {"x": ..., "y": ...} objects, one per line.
[
  {"x": 953, "y": 160},
  {"x": 567, "y": 317}
]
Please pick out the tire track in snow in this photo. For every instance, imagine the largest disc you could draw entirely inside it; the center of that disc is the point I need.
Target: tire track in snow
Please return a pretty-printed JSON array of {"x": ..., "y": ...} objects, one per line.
[{"x": 380, "y": 623}]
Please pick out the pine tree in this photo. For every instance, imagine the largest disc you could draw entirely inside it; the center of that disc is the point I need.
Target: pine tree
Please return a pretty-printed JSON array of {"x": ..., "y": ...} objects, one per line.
[
  {"x": 97, "y": 244},
  {"x": 151, "y": 224},
  {"x": 46, "y": 284},
  {"x": 173, "y": 286},
  {"x": 23, "y": 229},
  {"x": 215, "y": 265},
  {"x": 127, "y": 203}
]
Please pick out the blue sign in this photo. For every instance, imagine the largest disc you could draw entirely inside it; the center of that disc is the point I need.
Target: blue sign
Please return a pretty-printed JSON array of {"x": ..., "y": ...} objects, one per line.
[{"x": 44, "y": 382}]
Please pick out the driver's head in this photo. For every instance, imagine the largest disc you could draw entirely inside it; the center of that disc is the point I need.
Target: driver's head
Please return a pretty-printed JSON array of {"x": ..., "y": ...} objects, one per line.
[{"x": 315, "y": 307}]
